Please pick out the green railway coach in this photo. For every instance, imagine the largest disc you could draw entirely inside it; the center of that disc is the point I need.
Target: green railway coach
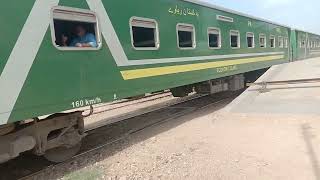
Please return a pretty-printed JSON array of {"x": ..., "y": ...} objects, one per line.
[
  {"x": 304, "y": 45},
  {"x": 139, "y": 46}
]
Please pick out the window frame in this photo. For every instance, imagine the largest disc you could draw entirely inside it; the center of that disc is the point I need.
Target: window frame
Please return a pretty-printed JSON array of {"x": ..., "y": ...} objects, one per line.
[
  {"x": 286, "y": 42},
  {"x": 279, "y": 41},
  {"x": 238, "y": 39},
  {"x": 253, "y": 43},
  {"x": 76, "y": 10},
  {"x": 265, "y": 40},
  {"x": 300, "y": 44},
  {"x": 156, "y": 33},
  {"x": 219, "y": 41},
  {"x": 194, "y": 43},
  {"x": 313, "y": 44},
  {"x": 274, "y": 38}
]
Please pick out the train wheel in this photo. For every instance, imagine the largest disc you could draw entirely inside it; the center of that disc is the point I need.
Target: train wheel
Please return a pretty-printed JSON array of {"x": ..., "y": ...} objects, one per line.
[
  {"x": 181, "y": 91},
  {"x": 60, "y": 154}
]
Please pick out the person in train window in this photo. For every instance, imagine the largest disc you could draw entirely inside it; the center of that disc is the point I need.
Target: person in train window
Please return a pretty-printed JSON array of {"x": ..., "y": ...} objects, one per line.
[{"x": 83, "y": 38}]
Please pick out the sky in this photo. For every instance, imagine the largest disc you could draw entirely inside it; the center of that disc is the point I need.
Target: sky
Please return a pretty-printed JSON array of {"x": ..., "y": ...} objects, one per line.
[{"x": 304, "y": 15}]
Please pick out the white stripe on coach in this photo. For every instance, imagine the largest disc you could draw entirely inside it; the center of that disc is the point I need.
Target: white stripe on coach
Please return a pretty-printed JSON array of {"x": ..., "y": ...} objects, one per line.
[{"x": 22, "y": 56}]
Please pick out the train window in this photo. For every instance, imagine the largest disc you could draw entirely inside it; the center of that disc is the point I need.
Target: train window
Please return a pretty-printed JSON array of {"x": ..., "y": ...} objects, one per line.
[
  {"x": 250, "y": 40},
  {"x": 262, "y": 40},
  {"x": 74, "y": 29},
  {"x": 272, "y": 41},
  {"x": 214, "y": 38},
  {"x": 280, "y": 40},
  {"x": 234, "y": 39},
  {"x": 286, "y": 42},
  {"x": 144, "y": 34},
  {"x": 186, "y": 36}
]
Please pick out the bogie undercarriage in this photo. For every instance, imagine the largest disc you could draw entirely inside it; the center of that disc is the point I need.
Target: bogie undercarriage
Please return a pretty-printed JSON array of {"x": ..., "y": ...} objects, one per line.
[
  {"x": 57, "y": 137},
  {"x": 232, "y": 83}
]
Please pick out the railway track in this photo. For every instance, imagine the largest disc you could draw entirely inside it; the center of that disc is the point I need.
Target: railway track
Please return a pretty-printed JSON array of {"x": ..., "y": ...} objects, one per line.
[{"x": 97, "y": 139}]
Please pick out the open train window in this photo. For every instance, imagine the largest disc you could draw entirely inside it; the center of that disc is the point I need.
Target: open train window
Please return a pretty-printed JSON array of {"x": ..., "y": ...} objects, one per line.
[
  {"x": 214, "y": 38},
  {"x": 186, "y": 36},
  {"x": 280, "y": 42},
  {"x": 250, "y": 40},
  {"x": 144, "y": 34},
  {"x": 286, "y": 42},
  {"x": 262, "y": 40},
  {"x": 234, "y": 39},
  {"x": 74, "y": 29},
  {"x": 272, "y": 41}
]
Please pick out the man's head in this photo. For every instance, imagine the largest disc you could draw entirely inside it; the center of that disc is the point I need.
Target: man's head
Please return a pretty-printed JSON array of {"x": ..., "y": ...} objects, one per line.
[{"x": 80, "y": 31}]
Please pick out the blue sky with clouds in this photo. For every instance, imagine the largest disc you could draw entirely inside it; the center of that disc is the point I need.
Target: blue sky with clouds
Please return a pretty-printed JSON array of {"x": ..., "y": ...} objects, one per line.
[{"x": 294, "y": 13}]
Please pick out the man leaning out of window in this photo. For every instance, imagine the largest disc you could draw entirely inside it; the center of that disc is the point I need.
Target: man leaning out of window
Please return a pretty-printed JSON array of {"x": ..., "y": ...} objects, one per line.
[{"x": 83, "y": 39}]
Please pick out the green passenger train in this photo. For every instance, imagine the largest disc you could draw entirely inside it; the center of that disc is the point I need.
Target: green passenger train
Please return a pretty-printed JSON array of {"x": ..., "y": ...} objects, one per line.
[{"x": 140, "y": 46}]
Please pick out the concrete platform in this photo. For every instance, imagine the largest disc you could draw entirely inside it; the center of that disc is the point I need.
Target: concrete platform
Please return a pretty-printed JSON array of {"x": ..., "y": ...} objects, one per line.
[
  {"x": 281, "y": 125},
  {"x": 297, "y": 99}
]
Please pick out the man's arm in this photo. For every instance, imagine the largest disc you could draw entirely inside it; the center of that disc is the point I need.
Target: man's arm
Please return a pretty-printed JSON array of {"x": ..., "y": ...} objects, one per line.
[{"x": 91, "y": 41}]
